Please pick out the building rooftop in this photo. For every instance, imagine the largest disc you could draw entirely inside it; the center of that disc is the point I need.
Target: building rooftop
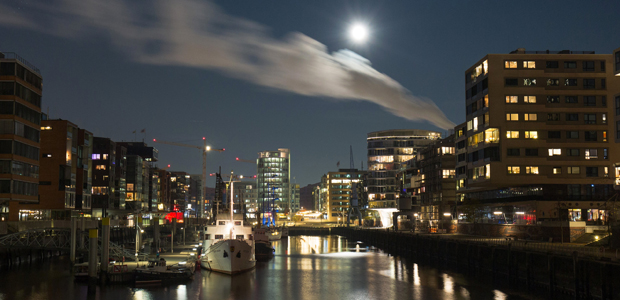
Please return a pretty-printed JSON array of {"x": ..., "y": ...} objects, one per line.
[
  {"x": 522, "y": 51},
  {"x": 25, "y": 63}
]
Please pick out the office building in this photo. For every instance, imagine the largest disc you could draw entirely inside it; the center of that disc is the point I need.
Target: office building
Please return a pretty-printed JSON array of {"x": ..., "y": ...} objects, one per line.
[
  {"x": 387, "y": 151},
  {"x": 339, "y": 188},
  {"x": 273, "y": 180}
]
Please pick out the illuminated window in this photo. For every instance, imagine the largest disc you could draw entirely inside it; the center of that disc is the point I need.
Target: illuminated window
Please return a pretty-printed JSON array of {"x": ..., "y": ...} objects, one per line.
[
  {"x": 531, "y": 170},
  {"x": 510, "y": 64},
  {"x": 512, "y": 117},
  {"x": 448, "y": 173},
  {"x": 491, "y": 135},
  {"x": 512, "y": 99},
  {"x": 486, "y": 100},
  {"x": 514, "y": 170},
  {"x": 604, "y": 135},
  {"x": 553, "y": 82},
  {"x": 529, "y": 81},
  {"x": 488, "y": 171},
  {"x": 529, "y": 117},
  {"x": 96, "y": 156},
  {"x": 555, "y": 151},
  {"x": 531, "y": 134},
  {"x": 591, "y": 153},
  {"x": 529, "y": 99},
  {"x": 604, "y": 118},
  {"x": 573, "y": 170},
  {"x": 557, "y": 170},
  {"x": 100, "y": 167},
  {"x": 475, "y": 123},
  {"x": 470, "y": 125},
  {"x": 104, "y": 156},
  {"x": 43, "y": 128},
  {"x": 529, "y": 64},
  {"x": 485, "y": 67},
  {"x": 447, "y": 150},
  {"x": 512, "y": 134}
]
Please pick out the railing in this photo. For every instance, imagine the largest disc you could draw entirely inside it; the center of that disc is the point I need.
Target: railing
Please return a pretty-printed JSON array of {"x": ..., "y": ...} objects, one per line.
[{"x": 13, "y": 55}]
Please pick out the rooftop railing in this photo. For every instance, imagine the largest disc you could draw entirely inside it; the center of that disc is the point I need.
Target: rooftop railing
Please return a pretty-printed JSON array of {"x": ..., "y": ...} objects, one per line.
[{"x": 13, "y": 55}]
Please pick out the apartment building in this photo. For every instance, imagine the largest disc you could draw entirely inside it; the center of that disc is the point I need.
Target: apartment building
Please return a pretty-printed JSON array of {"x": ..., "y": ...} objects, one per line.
[
  {"x": 539, "y": 142},
  {"x": 387, "y": 151},
  {"x": 338, "y": 195},
  {"x": 20, "y": 118}
]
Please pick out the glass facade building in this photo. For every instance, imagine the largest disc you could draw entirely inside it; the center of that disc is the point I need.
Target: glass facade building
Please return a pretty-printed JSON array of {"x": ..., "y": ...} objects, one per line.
[
  {"x": 387, "y": 151},
  {"x": 273, "y": 181}
]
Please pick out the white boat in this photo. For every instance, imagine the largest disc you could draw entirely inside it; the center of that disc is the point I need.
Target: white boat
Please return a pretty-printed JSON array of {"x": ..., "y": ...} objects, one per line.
[{"x": 228, "y": 246}]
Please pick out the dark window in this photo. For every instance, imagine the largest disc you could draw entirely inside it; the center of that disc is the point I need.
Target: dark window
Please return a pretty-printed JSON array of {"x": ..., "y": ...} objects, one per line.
[
  {"x": 589, "y": 118},
  {"x": 5, "y": 186},
  {"x": 531, "y": 152},
  {"x": 7, "y": 88},
  {"x": 474, "y": 90},
  {"x": 553, "y": 99},
  {"x": 6, "y": 146},
  {"x": 553, "y": 82},
  {"x": 219, "y": 236},
  {"x": 590, "y": 136},
  {"x": 604, "y": 101},
  {"x": 588, "y": 66},
  {"x": 7, "y": 69},
  {"x": 591, "y": 171},
  {"x": 554, "y": 134},
  {"x": 27, "y": 151},
  {"x": 552, "y": 64},
  {"x": 618, "y": 105},
  {"x": 28, "y": 114},
  {"x": 45, "y": 183},
  {"x": 618, "y": 127},
  {"x": 468, "y": 77},
  {"x": 6, "y": 107},
  {"x": 570, "y": 82},
  {"x": 589, "y": 100},
  {"x": 485, "y": 83},
  {"x": 570, "y": 65},
  {"x": 572, "y": 117},
  {"x": 461, "y": 157},
  {"x": 513, "y": 152},
  {"x": 589, "y": 83},
  {"x": 572, "y": 152},
  {"x": 512, "y": 81},
  {"x": 572, "y": 134},
  {"x": 603, "y": 65},
  {"x": 553, "y": 117},
  {"x": 27, "y": 95},
  {"x": 603, "y": 83},
  {"x": 605, "y": 154},
  {"x": 571, "y": 99}
]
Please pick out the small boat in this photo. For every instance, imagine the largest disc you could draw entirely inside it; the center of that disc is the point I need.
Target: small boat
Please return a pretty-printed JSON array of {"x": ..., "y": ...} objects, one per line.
[
  {"x": 262, "y": 246},
  {"x": 274, "y": 233},
  {"x": 157, "y": 270}
]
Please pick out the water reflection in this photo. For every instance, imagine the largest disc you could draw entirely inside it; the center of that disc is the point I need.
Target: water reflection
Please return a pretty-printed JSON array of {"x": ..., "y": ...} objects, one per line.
[{"x": 305, "y": 267}]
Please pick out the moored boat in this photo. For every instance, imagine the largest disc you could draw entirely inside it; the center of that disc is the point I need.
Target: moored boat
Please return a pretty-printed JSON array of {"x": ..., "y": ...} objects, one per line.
[
  {"x": 262, "y": 246},
  {"x": 158, "y": 270}
]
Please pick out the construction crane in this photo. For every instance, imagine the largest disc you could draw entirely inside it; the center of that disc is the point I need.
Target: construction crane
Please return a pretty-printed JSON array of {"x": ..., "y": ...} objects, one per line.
[
  {"x": 204, "y": 150},
  {"x": 246, "y": 160}
]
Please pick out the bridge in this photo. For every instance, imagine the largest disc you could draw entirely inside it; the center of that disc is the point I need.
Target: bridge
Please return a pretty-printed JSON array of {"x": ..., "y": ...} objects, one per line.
[{"x": 60, "y": 239}]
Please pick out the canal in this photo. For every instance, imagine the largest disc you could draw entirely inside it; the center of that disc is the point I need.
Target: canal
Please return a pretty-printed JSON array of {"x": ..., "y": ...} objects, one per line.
[{"x": 304, "y": 267}]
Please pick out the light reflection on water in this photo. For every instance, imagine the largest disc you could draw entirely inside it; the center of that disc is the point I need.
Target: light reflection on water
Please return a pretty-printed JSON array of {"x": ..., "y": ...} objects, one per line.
[{"x": 305, "y": 267}]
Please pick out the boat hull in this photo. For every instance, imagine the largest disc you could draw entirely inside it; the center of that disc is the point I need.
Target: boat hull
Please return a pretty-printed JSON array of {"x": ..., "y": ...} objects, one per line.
[
  {"x": 264, "y": 250},
  {"x": 229, "y": 257}
]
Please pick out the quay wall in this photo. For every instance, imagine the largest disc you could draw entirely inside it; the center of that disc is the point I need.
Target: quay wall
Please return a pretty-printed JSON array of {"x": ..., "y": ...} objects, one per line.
[
  {"x": 524, "y": 232},
  {"x": 554, "y": 274},
  {"x": 14, "y": 257}
]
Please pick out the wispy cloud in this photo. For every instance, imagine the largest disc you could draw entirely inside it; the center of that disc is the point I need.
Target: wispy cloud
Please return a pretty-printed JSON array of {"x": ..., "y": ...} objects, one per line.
[{"x": 199, "y": 34}]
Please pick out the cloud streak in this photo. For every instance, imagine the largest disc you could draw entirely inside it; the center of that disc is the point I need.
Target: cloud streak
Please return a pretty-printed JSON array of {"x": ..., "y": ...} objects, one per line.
[{"x": 199, "y": 34}]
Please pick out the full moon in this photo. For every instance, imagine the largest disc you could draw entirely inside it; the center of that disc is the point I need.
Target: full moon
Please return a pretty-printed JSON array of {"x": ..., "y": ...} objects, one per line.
[{"x": 358, "y": 33}]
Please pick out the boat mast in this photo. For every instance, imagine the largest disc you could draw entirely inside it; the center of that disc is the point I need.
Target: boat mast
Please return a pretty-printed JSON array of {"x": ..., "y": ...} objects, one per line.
[{"x": 232, "y": 204}]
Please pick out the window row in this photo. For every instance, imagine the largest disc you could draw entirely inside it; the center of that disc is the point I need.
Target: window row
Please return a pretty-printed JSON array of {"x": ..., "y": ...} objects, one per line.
[
  {"x": 8, "y": 186},
  {"x": 589, "y": 136},
  {"x": 588, "y": 83},
  {"x": 17, "y": 128},
  {"x": 586, "y": 66},
  {"x": 569, "y": 117},
  {"x": 589, "y": 153},
  {"x": 16, "y": 89},
  {"x": 19, "y": 168},
  {"x": 572, "y": 170},
  {"x": 18, "y": 148},
  {"x": 586, "y": 100}
]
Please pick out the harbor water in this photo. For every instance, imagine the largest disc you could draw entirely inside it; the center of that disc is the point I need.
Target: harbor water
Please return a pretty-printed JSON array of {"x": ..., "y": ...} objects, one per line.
[{"x": 304, "y": 267}]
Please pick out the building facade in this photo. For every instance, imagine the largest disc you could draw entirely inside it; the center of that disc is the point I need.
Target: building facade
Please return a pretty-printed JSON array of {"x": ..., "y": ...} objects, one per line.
[
  {"x": 306, "y": 198},
  {"x": 104, "y": 175},
  {"x": 65, "y": 161},
  {"x": 295, "y": 198},
  {"x": 339, "y": 188},
  {"x": 537, "y": 143},
  {"x": 273, "y": 180},
  {"x": 20, "y": 115},
  {"x": 387, "y": 151}
]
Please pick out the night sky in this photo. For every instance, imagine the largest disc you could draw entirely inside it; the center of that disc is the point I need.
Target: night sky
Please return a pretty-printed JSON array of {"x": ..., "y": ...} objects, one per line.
[{"x": 112, "y": 79}]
